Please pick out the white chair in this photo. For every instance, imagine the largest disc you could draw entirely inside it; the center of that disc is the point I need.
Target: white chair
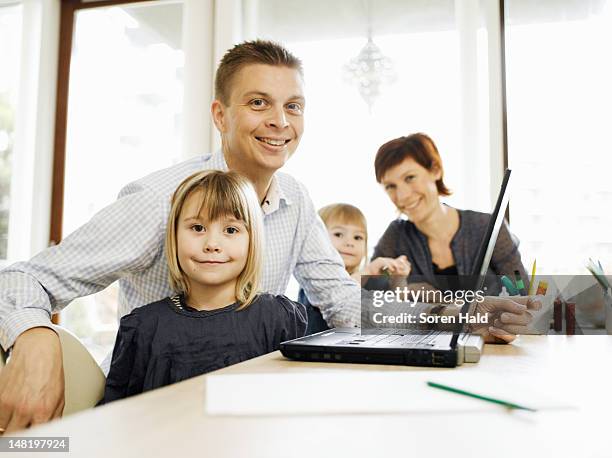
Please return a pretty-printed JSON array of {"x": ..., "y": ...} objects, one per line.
[{"x": 84, "y": 380}]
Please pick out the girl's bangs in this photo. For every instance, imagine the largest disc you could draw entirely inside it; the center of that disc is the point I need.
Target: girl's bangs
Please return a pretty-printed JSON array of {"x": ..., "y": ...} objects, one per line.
[
  {"x": 218, "y": 200},
  {"x": 348, "y": 216}
]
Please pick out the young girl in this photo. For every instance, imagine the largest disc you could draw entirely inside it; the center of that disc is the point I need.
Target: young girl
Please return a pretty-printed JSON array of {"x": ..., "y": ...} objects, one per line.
[
  {"x": 217, "y": 318},
  {"x": 347, "y": 228}
]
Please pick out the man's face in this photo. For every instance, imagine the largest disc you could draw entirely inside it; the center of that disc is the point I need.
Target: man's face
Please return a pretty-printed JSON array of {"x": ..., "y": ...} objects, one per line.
[{"x": 264, "y": 121}]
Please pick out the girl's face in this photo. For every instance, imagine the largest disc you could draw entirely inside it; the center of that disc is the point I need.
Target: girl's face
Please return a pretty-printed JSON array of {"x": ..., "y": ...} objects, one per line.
[
  {"x": 350, "y": 241},
  {"x": 412, "y": 188},
  {"x": 210, "y": 253}
]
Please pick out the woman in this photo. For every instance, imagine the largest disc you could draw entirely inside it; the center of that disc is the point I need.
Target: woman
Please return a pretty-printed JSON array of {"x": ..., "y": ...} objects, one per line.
[{"x": 438, "y": 240}]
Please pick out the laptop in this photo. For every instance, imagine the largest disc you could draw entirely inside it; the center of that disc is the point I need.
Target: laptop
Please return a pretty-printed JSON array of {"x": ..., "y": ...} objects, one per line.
[{"x": 405, "y": 347}]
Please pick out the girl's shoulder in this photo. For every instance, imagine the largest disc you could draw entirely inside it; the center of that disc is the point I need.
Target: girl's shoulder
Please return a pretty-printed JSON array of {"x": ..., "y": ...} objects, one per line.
[
  {"x": 274, "y": 301},
  {"x": 148, "y": 313},
  {"x": 268, "y": 306},
  {"x": 275, "y": 311}
]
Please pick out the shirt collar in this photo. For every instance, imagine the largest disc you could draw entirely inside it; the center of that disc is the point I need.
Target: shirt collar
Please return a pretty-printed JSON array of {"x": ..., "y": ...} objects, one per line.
[{"x": 275, "y": 194}]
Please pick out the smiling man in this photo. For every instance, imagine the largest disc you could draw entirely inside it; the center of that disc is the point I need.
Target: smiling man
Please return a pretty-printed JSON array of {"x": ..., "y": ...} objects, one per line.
[
  {"x": 261, "y": 121},
  {"x": 258, "y": 110}
]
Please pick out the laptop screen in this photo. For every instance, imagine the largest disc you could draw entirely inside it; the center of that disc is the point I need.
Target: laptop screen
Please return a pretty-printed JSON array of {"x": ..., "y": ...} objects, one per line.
[{"x": 485, "y": 251}]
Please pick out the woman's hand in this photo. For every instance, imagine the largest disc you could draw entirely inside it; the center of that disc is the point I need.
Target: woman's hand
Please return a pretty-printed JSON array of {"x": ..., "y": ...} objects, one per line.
[
  {"x": 506, "y": 317},
  {"x": 398, "y": 266}
]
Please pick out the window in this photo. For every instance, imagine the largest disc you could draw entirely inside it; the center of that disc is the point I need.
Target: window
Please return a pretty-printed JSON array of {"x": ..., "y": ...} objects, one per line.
[
  {"x": 424, "y": 41},
  {"x": 124, "y": 116},
  {"x": 559, "y": 114},
  {"x": 10, "y": 47},
  {"x": 342, "y": 132}
]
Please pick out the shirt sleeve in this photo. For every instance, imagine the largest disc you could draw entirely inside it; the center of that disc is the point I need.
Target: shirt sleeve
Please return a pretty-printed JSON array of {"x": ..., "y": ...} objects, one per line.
[
  {"x": 506, "y": 257},
  {"x": 129, "y": 362},
  {"x": 122, "y": 238},
  {"x": 387, "y": 245}
]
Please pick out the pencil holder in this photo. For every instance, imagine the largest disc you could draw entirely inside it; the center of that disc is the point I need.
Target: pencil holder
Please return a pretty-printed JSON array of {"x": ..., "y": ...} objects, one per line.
[{"x": 608, "y": 310}]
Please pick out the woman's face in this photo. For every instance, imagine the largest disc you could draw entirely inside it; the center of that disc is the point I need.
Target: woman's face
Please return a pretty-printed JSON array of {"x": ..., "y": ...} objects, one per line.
[{"x": 412, "y": 188}]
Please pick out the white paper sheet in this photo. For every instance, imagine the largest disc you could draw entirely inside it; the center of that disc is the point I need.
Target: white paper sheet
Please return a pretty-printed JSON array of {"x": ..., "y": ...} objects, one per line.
[{"x": 342, "y": 392}]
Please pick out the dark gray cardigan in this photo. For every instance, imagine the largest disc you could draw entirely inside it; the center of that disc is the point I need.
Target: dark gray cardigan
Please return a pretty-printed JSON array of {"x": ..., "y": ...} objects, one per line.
[{"x": 403, "y": 238}]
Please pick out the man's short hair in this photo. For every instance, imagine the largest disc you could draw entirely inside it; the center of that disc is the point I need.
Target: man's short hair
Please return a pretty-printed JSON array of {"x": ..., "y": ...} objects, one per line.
[{"x": 248, "y": 53}]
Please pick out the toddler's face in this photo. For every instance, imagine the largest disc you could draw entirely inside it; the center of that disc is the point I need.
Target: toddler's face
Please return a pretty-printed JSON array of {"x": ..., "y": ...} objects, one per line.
[
  {"x": 211, "y": 253},
  {"x": 350, "y": 241}
]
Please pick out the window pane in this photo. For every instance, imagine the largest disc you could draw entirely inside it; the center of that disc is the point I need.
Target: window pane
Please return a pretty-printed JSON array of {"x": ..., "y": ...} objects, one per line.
[
  {"x": 124, "y": 120},
  {"x": 559, "y": 115},
  {"x": 422, "y": 41},
  {"x": 10, "y": 51}
]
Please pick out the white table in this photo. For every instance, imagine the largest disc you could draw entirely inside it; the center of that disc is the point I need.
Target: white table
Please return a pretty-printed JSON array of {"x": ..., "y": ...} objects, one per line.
[{"x": 172, "y": 422}]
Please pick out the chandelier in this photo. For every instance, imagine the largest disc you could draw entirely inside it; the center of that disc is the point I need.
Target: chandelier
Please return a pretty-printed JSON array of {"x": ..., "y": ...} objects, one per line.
[{"x": 370, "y": 70}]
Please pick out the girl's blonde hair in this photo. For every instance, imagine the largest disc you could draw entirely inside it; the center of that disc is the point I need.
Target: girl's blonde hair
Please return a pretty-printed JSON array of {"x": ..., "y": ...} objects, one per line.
[
  {"x": 345, "y": 214},
  {"x": 221, "y": 194}
]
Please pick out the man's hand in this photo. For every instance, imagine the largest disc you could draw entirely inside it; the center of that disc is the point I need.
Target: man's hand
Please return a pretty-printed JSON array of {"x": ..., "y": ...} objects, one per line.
[
  {"x": 507, "y": 316},
  {"x": 32, "y": 382}
]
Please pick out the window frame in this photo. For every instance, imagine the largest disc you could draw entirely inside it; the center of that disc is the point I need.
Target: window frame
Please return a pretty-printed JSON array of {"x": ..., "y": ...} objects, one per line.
[{"x": 68, "y": 12}]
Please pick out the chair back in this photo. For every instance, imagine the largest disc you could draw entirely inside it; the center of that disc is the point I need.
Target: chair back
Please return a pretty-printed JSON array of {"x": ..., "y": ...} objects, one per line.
[{"x": 84, "y": 380}]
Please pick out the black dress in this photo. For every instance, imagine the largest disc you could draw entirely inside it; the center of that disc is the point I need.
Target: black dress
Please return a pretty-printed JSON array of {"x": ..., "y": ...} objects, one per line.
[{"x": 168, "y": 341}]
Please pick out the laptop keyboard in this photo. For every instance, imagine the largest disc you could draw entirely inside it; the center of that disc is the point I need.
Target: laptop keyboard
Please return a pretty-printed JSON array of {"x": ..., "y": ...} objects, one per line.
[{"x": 383, "y": 339}]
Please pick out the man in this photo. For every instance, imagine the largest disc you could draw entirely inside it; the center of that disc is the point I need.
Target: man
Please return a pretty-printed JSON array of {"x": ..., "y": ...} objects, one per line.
[{"x": 258, "y": 109}]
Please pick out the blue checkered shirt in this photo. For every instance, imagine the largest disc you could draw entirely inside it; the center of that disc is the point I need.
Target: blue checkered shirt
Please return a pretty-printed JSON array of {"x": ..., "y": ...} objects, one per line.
[{"x": 125, "y": 242}]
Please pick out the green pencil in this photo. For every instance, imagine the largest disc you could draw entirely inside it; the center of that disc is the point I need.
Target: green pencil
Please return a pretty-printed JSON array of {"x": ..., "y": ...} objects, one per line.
[{"x": 510, "y": 405}]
